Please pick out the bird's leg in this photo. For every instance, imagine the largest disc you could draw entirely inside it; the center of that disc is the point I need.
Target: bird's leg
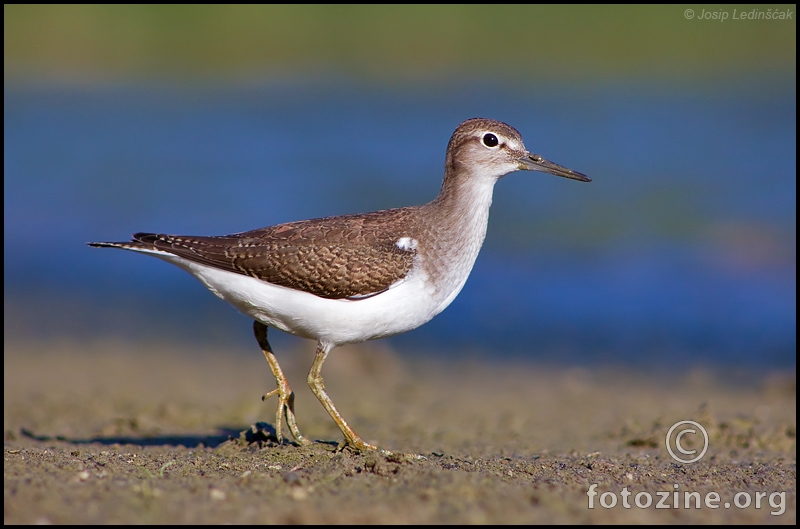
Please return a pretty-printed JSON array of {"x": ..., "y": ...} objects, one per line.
[
  {"x": 283, "y": 391},
  {"x": 351, "y": 438},
  {"x": 318, "y": 387}
]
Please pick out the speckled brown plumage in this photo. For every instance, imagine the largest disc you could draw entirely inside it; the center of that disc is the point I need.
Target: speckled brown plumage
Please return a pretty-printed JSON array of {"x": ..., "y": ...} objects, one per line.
[{"x": 348, "y": 256}]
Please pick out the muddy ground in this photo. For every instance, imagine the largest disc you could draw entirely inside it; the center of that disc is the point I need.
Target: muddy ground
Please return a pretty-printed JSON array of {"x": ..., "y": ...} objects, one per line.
[{"x": 115, "y": 432}]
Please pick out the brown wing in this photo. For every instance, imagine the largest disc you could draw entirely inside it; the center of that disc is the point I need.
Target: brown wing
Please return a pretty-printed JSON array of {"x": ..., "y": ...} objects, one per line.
[{"x": 351, "y": 256}]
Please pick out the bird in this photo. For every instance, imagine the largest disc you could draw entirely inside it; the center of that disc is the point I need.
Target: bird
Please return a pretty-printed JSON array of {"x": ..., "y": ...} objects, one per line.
[{"x": 356, "y": 277}]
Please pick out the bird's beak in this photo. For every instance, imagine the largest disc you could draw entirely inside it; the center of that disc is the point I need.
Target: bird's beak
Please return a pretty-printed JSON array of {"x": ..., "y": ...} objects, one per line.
[{"x": 534, "y": 162}]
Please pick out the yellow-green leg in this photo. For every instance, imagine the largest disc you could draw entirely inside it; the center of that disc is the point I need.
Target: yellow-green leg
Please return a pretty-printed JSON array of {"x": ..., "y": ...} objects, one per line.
[
  {"x": 317, "y": 385},
  {"x": 283, "y": 391}
]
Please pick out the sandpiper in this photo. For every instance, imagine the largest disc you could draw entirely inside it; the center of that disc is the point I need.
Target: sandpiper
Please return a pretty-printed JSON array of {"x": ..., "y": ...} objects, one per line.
[{"x": 352, "y": 278}]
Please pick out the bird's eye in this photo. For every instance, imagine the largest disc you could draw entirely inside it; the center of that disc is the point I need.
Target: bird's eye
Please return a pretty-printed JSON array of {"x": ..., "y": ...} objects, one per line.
[{"x": 490, "y": 140}]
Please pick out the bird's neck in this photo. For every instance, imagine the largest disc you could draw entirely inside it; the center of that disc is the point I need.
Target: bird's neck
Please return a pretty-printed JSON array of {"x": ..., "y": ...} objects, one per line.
[
  {"x": 463, "y": 204},
  {"x": 457, "y": 220}
]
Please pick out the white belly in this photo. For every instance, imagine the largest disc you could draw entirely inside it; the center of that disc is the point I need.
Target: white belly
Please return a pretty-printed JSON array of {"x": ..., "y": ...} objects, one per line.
[{"x": 405, "y": 306}]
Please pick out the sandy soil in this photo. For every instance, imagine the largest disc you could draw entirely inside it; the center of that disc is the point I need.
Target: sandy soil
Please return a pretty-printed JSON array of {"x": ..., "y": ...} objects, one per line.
[{"x": 151, "y": 433}]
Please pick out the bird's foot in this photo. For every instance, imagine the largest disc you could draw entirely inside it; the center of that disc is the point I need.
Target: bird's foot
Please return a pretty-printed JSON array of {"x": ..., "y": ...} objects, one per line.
[
  {"x": 359, "y": 446},
  {"x": 285, "y": 410}
]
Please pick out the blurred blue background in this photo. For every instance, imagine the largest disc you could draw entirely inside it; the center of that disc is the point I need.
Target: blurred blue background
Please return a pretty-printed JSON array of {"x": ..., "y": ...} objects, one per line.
[{"x": 681, "y": 251}]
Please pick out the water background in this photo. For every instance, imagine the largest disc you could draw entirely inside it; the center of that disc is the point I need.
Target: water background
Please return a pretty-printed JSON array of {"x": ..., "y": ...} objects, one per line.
[{"x": 681, "y": 251}]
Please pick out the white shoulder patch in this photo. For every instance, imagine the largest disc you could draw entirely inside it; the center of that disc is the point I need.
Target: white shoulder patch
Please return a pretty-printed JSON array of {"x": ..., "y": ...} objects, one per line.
[{"x": 406, "y": 243}]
